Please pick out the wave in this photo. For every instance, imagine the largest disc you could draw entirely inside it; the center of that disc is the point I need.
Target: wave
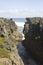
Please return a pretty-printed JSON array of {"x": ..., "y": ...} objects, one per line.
[{"x": 20, "y": 24}]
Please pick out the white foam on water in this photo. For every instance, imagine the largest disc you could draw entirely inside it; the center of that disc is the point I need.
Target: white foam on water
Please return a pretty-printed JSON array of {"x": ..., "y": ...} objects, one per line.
[
  {"x": 20, "y": 28},
  {"x": 20, "y": 23}
]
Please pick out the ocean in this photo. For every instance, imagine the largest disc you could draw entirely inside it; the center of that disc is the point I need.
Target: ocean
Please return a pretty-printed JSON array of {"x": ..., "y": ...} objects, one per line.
[
  {"x": 19, "y": 19},
  {"x": 20, "y": 23}
]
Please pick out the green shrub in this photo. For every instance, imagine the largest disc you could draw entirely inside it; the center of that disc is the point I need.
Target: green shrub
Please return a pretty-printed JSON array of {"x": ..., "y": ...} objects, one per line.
[
  {"x": 4, "y": 53},
  {"x": 1, "y": 40},
  {"x": 1, "y": 64}
]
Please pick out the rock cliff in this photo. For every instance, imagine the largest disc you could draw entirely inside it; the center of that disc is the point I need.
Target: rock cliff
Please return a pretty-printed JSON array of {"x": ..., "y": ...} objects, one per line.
[
  {"x": 8, "y": 49},
  {"x": 33, "y": 31}
]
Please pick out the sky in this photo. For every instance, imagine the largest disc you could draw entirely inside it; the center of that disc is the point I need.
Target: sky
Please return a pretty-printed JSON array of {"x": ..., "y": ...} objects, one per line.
[{"x": 21, "y": 8}]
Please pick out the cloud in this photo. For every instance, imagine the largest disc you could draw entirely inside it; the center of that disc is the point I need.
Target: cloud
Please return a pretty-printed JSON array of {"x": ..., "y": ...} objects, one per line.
[
  {"x": 9, "y": 11},
  {"x": 21, "y": 13}
]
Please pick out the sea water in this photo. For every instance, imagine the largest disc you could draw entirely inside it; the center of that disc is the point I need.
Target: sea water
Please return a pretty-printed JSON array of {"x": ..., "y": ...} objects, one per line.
[{"x": 20, "y": 24}]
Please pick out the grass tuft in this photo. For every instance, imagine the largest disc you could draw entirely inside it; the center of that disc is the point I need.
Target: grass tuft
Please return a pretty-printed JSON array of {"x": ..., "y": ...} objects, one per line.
[
  {"x": 1, "y": 64},
  {"x": 1, "y": 40},
  {"x": 4, "y": 53}
]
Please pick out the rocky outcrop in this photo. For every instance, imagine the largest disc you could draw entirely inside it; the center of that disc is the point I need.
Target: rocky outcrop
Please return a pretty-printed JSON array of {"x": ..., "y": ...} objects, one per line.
[
  {"x": 5, "y": 61},
  {"x": 33, "y": 30},
  {"x": 8, "y": 49},
  {"x": 7, "y": 26},
  {"x": 17, "y": 36}
]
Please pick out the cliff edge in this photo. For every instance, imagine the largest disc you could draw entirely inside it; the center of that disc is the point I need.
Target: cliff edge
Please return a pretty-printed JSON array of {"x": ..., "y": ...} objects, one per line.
[
  {"x": 8, "y": 49},
  {"x": 33, "y": 31}
]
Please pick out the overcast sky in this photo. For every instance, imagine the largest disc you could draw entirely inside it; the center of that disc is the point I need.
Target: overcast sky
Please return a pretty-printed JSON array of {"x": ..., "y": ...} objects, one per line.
[{"x": 21, "y": 8}]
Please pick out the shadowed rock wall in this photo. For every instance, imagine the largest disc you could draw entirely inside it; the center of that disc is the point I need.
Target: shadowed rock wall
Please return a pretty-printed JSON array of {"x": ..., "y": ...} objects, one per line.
[{"x": 33, "y": 30}]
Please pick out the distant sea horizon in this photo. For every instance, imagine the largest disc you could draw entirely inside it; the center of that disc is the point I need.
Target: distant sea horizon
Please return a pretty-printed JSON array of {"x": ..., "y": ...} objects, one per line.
[
  {"x": 19, "y": 19},
  {"x": 20, "y": 23}
]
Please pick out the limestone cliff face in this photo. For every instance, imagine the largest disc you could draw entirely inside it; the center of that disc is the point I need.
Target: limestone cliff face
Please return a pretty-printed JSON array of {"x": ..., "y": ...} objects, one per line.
[
  {"x": 33, "y": 30},
  {"x": 8, "y": 49}
]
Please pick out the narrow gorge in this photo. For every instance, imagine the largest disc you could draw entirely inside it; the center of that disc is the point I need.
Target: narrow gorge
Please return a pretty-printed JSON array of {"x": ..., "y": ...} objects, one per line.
[{"x": 24, "y": 48}]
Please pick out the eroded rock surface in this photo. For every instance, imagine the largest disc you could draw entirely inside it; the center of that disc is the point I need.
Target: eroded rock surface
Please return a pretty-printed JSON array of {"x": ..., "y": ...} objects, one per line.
[
  {"x": 8, "y": 50},
  {"x": 33, "y": 30}
]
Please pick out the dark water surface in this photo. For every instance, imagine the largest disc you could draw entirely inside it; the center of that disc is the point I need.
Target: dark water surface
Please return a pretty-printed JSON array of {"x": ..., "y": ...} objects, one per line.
[{"x": 25, "y": 57}]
